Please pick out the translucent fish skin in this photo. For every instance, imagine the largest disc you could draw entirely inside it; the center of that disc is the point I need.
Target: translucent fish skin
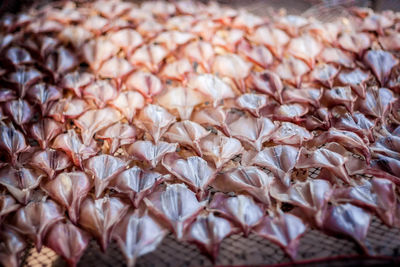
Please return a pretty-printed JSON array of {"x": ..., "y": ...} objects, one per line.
[
  {"x": 280, "y": 160},
  {"x": 267, "y": 82},
  {"x": 354, "y": 42},
  {"x": 8, "y": 204},
  {"x": 24, "y": 77},
  {"x": 305, "y": 48},
  {"x": 201, "y": 52},
  {"x": 305, "y": 95},
  {"x": 259, "y": 54},
  {"x": 100, "y": 216},
  {"x": 208, "y": 231},
  {"x": 194, "y": 171},
  {"x": 181, "y": 99},
  {"x": 220, "y": 149},
  {"x": 126, "y": 39},
  {"x": 149, "y": 56},
  {"x": 241, "y": 209},
  {"x": 356, "y": 79},
  {"x": 381, "y": 63},
  {"x": 321, "y": 119},
  {"x": 284, "y": 229},
  {"x": 338, "y": 56},
  {"x": 101, "y": 92},
  {"x": 18, "y": 55},
  {"x": 138, "y": 235},
  {"x": 377, "y": 194},
  {"x": 96, "y": 51},
  {"x": 252, "y": 102},
  {"x": 20, "y": 182},
  {"x": 115, "y": 68},
  {"x": 325, "y": 74},
  {"x": 69, "y": 189},
  {"x": 149, "y": 152},
  {"x": 45, "y": 131},
  {"x": 348, "y": 220},
  {"x": 62, "y": 110},
  {"x": 249, "y": 179},
  {"x": 324, "y": 158},
  {"x": 75, "y": 81},
  {"x": 238, "y": 68},
  {"x": 50, "y": 161},
  {"x": 12, "y": 245},
  {"x": 311, "y": 196},
  {"x": 128, "y": 102},
  {"x": 390, "y": 166},
  {"x": 390, "y": 41},
  {"x": 212, "y": 117},
  {"x": 377, "y": 102},
  {"x": 155, "y": 120},
  {"x": 211, "y": 86},
  {"x": 357, "y": 123},
  {"x": 341, "y": 95},
  {"x": 290, "y": 112},
  {"x": 68, "y": 241},
  {"x": 117, "y": 135},
  {"x": 187, "y": 133},
  {"x": 43, "y": 95},
  {"x": 19, "y": 110},
  {"x": 93, "y": 121},
  {"x": 145, "y": 83},
  {"x": 12, "y": 141},
  {"x": 292, "y": 70},
  {"x": 36, "y": 219},
  {"x": 103, "y": 168},
  {"x": 253, "y": 131},
  {"x": 348, "y": 139},
  {"x": 60, "y": 60},
  {"x": 176, "y": 205},
  {"x": 291, "y": 134},
  {"x": 273, "y": 38},
  {"x": 177, "y": 70},
  {"x": 136, "y": 183},
  {"x": 71, "y": 144}
]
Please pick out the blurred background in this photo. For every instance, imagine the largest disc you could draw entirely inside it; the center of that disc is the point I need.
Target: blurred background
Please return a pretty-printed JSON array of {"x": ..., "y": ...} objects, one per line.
[{"x": 256, "y": 6}]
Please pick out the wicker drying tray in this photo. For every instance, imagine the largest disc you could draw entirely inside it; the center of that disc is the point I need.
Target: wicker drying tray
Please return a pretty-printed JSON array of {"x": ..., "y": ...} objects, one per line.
[{"x": 316, "y": 248}]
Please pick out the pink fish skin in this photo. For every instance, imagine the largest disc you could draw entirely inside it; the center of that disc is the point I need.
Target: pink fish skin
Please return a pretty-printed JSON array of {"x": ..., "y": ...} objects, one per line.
[
  {"x": 12, "y": 141},
  {"x": 100, "y": 216},
  {"x": 50, "y": 161},
  {"x": 193, "y": 171},
  {"x": 284, "y": 229},
  {"x": 214, "y": 228},
  {"x": 68, "y": 241},
  {"x": 241, "y": 209},
  {"x": 381, "y": 63},
  {"x": 149, "y": 152},
  {"x": 137, "y": 235},
  {"x": 103, "y": 169},
  {"x": 348, "y": 220},
  {"x": 69, "y": 189},
  {"x": 137, "y": 183},
  {"x": 12, "y": 245},
  {"x": 8, "y": 204},
  {"x": 36, "y": 219},
  {"x": 175, "y": 205}
]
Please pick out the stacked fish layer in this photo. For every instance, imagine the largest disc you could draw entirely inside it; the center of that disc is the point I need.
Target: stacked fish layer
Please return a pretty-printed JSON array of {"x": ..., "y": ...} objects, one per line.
[{"x": 124, "y": 122}]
